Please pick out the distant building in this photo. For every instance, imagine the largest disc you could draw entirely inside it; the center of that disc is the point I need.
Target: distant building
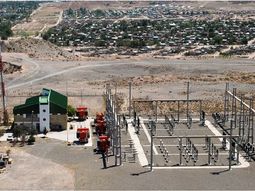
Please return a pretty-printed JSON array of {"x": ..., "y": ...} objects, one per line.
[{"x": 45, "y": 111}]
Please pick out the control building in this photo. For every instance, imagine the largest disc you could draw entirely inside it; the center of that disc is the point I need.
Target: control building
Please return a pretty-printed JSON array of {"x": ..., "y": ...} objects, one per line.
[{"x": 45, "y": 111}]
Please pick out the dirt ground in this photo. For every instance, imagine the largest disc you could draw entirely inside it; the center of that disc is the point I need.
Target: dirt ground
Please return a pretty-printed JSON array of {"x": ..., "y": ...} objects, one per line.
[
  {"x": 84, "y": 81},
  {"x": 43, "y": 18},
  {"x": 21, "y": 170}
]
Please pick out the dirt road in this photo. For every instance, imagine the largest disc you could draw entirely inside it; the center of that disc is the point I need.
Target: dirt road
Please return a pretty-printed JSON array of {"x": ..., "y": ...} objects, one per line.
[{"x": 153, "y": 78}]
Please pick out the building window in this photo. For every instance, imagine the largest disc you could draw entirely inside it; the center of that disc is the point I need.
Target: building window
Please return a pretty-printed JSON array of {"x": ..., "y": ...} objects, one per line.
[{"x": 44, "y": 119}]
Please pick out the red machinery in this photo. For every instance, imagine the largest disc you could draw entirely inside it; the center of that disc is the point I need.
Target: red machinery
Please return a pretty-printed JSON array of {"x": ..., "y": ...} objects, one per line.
[
  {"x": 83, "y": 135},
  {"x": 103, "y": 144},
  {"x": 101, "y": 127},
  {"x": 82, "y": 113},
  {"x": 99, "y": 116},
  {"x": 100, "y": 124}
]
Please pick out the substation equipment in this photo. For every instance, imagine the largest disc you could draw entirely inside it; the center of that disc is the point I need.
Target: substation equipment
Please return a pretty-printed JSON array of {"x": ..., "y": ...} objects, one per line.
[
  {"x": 108, "y": 130},
  {"x": 236, "y": 124}
]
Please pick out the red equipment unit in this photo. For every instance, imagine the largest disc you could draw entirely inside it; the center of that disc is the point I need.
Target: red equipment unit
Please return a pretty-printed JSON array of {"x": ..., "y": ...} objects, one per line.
[
  {"x": 101, "y": 127},
  {"x": 103, "y": 144},
  {"x": 100, "y": 124},
  {"x": 83, "y": 134},
  {"x": 99, "y": 116},
  {"x": 82, "y": 113}
]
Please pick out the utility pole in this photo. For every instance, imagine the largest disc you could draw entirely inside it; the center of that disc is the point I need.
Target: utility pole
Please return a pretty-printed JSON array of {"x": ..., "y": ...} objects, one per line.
[
  {"x": 230, "y": 145},
  {"x": 5, "y": 113},
  {"x": 151, "y": 159},
  {"x": 129, "y": 84},
  {"x": 32, "y": 118},
  {"x": 66, "y": 89},
  {"x": 187, "y": 101}
]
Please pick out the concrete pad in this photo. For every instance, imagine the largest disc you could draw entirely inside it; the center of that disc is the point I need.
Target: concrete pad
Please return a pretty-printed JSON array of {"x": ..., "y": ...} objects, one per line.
[
  {"x": 69, "y": 135},
  {"x": 243, "y": 162},
  {"x": 208, "y": 129},
  {"x": 141, "y": 155},
  {"x": 148, "y": 136},
  {"x": 5, "y": 136}
]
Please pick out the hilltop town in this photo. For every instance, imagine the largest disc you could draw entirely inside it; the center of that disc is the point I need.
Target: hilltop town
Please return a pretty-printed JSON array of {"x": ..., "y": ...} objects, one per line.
[
  {"x": 162, "y": 29},
  {"x": 128, "y": 29}
]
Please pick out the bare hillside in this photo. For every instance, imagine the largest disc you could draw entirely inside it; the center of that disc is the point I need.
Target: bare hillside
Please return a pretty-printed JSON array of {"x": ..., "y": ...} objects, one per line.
[{"x": 38, "y": 48}]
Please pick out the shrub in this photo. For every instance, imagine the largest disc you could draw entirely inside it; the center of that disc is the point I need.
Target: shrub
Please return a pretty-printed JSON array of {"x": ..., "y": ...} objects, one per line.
[
  {"x": 70, "y": 110},
  {"x": 2, "y": 131},
  {"x": 31, "y": 139}
]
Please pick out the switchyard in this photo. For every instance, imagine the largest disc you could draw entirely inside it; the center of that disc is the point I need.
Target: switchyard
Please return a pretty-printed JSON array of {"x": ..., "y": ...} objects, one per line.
[{"x": 184, "y": 136}]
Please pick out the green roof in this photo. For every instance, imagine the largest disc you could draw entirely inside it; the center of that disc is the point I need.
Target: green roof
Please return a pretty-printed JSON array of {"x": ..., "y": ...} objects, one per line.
[
  {"x": 57, "y": 101},
  {"x": 31, "y": 104}
]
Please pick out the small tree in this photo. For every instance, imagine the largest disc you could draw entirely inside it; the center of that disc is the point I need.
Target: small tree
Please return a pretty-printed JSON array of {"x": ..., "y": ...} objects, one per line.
[
  {"x": 31, "y": 139},
  {"x": 217, "y": 39},
  {"x": 244, "y": 40},
  {"x": 2, "y": 132},
  {"x": 70, "y": 110},
  {"x": 5, "y": 30},
  {"x": 17, "y": 132}
]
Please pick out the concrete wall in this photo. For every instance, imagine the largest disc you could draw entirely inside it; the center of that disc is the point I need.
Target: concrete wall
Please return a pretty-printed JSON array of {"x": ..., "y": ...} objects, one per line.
[
  {"x": 55, "y": 120},
  {"x": 58, "y": 120},
  {"x": 21, "y": 119}
]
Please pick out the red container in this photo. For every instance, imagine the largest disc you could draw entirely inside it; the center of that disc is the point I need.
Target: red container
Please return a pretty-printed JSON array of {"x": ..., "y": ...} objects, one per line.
[
  {"x": 99, "y": 116},
  {"x": 103, "y": 143},
  {"x": 82, "y": 134},
  {"x": 82, "y": 113}
]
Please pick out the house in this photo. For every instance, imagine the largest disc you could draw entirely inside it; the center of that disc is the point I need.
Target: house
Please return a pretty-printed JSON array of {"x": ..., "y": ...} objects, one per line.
[{"x": 45, "y": 111}]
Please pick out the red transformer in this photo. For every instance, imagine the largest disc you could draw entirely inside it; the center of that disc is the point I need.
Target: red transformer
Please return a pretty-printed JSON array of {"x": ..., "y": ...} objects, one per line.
[
  {"x": 83, "y": 135},
  {"x": 101, "y": 127},
  {"x": 103, "y": 143},
  {"x": 100, "y": 124},
  {"x": 82, "y": 113},
  {"x": 99, "y": 116}
]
